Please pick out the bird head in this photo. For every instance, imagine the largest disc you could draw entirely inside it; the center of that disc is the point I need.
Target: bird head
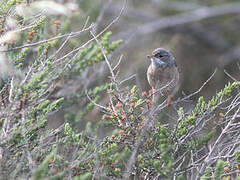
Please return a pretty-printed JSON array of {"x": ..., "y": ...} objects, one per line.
[{"x": 161, "y": 57}]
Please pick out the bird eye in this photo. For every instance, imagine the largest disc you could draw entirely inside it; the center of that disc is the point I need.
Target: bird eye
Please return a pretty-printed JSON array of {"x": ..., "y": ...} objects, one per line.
[{"x": 159, "y": 55}]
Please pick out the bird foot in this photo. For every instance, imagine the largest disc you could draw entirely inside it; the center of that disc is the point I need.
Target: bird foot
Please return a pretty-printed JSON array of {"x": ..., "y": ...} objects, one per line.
[{"x": 169, "y": 100}]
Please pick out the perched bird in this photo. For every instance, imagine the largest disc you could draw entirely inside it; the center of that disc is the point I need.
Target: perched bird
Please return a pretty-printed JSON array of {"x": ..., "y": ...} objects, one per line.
[{"x": 163, "y": 74}]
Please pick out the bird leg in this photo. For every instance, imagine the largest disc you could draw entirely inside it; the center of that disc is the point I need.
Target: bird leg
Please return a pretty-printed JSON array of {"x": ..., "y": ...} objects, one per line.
[{"x": 169, "y": 100}]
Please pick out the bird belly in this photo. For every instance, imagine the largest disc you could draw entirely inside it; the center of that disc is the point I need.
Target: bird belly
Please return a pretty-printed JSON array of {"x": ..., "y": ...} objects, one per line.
[
  {"x": 167, "y": 78},
  {"x": 163, "y": 79}
]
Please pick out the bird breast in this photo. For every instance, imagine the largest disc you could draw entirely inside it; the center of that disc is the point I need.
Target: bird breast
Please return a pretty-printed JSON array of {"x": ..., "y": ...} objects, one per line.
[{"x": 159, "y": 77}]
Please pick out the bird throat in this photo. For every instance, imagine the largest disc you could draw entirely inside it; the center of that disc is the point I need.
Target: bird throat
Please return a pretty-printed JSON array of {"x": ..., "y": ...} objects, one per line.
[{"x": 157, "y": 63}]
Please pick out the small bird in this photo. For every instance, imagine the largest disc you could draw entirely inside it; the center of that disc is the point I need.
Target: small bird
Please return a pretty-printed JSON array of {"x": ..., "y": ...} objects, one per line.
[{"x": 163, "y": 74}]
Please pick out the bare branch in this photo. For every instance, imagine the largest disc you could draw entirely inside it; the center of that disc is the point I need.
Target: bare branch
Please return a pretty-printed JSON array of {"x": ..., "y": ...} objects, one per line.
[{"x": 72, "y": 34}]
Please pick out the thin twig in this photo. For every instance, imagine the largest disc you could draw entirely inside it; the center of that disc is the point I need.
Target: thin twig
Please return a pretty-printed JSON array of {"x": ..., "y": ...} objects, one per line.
[
  {"x": 118, "y": 63},
  {"x": 98, "y": 105},
  {"x": 73, "y": 34},
  {"x": 200, "y": 89},
  {"x": 105, "y": 57},
  {"x": 229, "y": 75},
  {"x": 98, "y": 35},
  {"x": 11, "y": 90}
]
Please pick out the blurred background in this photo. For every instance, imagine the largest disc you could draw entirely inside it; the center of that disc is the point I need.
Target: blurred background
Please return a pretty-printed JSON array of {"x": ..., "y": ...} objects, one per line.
[{"x": 202, "y": 35}]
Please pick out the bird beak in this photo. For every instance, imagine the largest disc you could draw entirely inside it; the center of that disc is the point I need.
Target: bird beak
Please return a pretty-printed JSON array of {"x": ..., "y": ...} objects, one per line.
[{"x": 149, "y": 56}]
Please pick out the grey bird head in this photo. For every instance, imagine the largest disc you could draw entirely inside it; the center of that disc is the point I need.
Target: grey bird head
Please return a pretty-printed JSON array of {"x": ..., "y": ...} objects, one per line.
[{"x": 162, "y": 57}]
